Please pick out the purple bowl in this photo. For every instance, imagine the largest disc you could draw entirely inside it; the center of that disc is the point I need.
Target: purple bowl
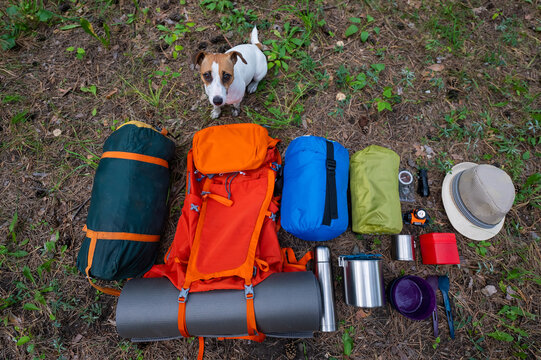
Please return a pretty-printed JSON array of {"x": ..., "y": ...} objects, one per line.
[{"x": 413, "y": 297}]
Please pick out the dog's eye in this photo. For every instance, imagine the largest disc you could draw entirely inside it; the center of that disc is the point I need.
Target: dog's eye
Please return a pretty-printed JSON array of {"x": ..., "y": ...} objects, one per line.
[
  {"x": 226, "y": 77},
  {"x": 207, "y": 76}
]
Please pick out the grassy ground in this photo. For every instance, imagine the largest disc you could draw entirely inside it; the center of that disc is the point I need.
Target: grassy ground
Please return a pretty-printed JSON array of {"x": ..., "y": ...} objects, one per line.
[{"x": 439, "y": 82}]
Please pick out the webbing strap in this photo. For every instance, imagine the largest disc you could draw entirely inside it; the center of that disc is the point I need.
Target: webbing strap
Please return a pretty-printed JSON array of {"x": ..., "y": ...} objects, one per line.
[
  {"x": 107, "y": 235},
  {"x": 291, "y": 263},
  {"x": 250, "y": 311},
  {"x": 135, "y": 156},
  {"x": 181, "y": 319},
  {"x": 91, "y": 250},
  {"x": 201, "y": 348},
  {"x": 331, "y": 200}
]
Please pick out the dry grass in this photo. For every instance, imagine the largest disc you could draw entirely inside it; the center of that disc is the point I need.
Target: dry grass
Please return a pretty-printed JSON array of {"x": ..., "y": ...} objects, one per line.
[{"x": 490, "y": 70}]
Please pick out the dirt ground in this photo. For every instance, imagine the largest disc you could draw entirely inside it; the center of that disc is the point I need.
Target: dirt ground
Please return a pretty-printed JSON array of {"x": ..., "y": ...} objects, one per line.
[{"x": 438, "y": 82}]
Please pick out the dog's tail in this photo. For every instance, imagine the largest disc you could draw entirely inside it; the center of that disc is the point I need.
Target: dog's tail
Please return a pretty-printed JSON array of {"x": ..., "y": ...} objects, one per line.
[{"x": 254, "y": 40}]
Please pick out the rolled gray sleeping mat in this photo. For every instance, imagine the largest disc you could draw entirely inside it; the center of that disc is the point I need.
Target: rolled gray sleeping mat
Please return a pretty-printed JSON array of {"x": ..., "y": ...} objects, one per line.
[{"x": 285, "y": 305}]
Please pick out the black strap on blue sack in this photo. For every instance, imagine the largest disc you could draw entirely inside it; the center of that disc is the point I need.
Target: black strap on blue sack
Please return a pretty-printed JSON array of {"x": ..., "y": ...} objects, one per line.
[{"x": 331, "y": 202}]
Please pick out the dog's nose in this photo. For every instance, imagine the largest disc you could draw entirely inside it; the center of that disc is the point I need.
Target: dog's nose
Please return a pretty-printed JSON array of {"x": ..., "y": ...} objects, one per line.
[{"x": 217, "y": 100}]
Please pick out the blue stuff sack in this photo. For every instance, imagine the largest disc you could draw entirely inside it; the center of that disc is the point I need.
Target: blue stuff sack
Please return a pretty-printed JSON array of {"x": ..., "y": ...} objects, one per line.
[{"x": 314, "y": 196}]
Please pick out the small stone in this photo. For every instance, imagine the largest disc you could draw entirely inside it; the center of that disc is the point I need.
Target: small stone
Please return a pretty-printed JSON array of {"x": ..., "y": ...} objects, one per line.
[
  {"x": 489, "y": 290},
  {"x": 57, "y": 132},
  {"x": 509, "y": 293},
  {"x": 340, "y": 43}
]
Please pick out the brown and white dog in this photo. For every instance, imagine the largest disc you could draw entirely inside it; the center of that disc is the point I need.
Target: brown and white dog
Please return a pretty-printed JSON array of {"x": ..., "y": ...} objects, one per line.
[{"x": 227, "y": 76}]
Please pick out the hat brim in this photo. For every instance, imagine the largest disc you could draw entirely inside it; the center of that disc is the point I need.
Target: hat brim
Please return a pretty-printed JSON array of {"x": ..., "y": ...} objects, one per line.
[{"x": 459, "y": 221}]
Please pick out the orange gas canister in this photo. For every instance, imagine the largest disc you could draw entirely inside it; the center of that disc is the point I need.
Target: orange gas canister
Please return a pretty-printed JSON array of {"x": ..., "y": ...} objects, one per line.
[{"x": 439, "y": 249}]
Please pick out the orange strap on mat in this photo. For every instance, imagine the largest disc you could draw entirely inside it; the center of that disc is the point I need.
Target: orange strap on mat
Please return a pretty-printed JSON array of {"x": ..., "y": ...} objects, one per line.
[
  {"x": 250, "y": 311},
  {"x": 135, "y": 156}
]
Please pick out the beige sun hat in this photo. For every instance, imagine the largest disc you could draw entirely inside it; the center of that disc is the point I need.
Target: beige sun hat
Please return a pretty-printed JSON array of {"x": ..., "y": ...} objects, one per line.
[{"x": 477, "y": 198}]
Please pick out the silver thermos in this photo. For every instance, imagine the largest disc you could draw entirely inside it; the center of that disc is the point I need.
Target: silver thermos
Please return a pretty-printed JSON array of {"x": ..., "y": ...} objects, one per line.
[{"x": 323, "y": 272}]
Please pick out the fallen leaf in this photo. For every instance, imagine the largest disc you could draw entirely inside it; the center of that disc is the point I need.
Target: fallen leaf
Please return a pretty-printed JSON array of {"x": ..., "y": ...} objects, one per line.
[
  {"x": 77, "y": 338},
  {"x": 419, "y": 150},
  {"x": 361, "y": 314},
  {"x": 479, "y": 10},
  {"x": 57, "y": 132},
  {"x": 415, "y": 3},
  {"x": 111, "y": 93},
  {"x": 64, "y": 92},
  {"x": 436, "y": 67}
]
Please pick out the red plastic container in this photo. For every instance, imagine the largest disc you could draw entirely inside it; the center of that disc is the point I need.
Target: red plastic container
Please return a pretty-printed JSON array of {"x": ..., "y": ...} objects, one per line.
[{"x": 439, "y": 249}]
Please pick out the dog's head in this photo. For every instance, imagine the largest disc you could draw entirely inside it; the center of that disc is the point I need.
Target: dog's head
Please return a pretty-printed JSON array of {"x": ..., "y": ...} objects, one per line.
[{"x": 217, "y": 73}]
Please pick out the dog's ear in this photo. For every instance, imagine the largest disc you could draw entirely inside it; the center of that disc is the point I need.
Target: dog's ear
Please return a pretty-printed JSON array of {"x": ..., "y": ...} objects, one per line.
[
  {"x": 197, "y": 59},
  {"x": 234, "y": 55}
]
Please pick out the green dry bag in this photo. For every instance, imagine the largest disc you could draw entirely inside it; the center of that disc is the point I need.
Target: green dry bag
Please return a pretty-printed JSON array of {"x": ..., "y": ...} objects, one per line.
[{"x": 375, "y": 203}]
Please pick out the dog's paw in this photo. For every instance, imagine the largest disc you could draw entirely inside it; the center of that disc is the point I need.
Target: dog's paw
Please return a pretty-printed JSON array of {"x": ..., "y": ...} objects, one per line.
[
  {"x": 215, "y": 113},
  {"x": 235, "y": 111},
  {"x": 252, "y": 87}
]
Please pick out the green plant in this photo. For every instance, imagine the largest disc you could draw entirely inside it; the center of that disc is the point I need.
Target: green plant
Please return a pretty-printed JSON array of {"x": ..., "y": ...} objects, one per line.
[
  {"x": 347, "y": 340},
  {"x": 480, "y": 247},
  {"x": 239, "y": 20},
  {"x": 79, "y": 54},
  {"x": 530, "y": 192},
  {"x": 436, "y": 343},
  {"x": 89, "y": 29},
  {"x": 448, "y": 27},
  {"x": 175, "y": 34},
  {"x": 443, "y": 163},
  {"x": 354, "y": 28},
  {"x": 91, "y": 89},
  {"x": 510, "y": 319},
  {"x": 283, "y": 48},
  {"x": 156, "y": 90},
  {"x": 19, "y": 18},
  {"x": 216, "y": 5}
]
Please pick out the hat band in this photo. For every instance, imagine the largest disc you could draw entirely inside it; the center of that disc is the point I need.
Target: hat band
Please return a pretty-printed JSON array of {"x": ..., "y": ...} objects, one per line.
[{"x": 463, "y": 209}]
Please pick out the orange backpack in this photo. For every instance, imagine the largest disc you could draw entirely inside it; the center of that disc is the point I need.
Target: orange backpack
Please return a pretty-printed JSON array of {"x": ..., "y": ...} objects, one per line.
[{"x": 226, "y": 236}]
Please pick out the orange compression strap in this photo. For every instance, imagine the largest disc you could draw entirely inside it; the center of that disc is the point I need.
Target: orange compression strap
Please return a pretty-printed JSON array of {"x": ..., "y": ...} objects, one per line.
[
  {"x": 134, "y": 156},
  {"x": 250, "y": 311},
  {"x": 120, "y": 236},
  {"x": 181, "y": 317},
  {"x": 201, "y": 348},
  {"x": 91, "y": 249}
]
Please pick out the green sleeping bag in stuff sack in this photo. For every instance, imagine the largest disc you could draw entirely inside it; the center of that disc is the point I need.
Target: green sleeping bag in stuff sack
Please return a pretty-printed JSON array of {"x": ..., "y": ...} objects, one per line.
[
  {"x": 128, "y": 206},
  {"x": 375, "y": 202}
]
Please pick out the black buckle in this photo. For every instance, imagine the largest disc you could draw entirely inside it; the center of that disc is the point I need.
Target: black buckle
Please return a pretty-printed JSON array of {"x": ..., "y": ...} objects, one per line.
[{"x": 331, "y": 164}]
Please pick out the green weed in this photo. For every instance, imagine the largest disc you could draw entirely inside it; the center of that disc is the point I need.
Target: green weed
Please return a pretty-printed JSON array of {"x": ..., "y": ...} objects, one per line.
[
  {"x": 90, "y": 89},
  {"x": 89, "y": 29},
  {"x": 216, "y": 5},
  {"x": 282, "y": 49},
  {"x": 79, "y": 54},
  {"x": 449, "y": 27},
  {"x": 154, "y": 94},
  {"x": 171, "y": 36},
  {"x": 481, "y": 247},
  {"x": 239, "y": 20},
  {"x": 19, "y": 18},
  {"x": 347, "y": 340},
  {"x": 357, "y": 28}
]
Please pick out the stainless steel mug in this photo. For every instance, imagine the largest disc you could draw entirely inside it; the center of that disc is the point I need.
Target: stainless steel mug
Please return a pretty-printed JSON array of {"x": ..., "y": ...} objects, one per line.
[
  {"x": 403, "y": 247},
  {"x": 323, "y": 272},
  {"x": 363, "y": 280}
]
